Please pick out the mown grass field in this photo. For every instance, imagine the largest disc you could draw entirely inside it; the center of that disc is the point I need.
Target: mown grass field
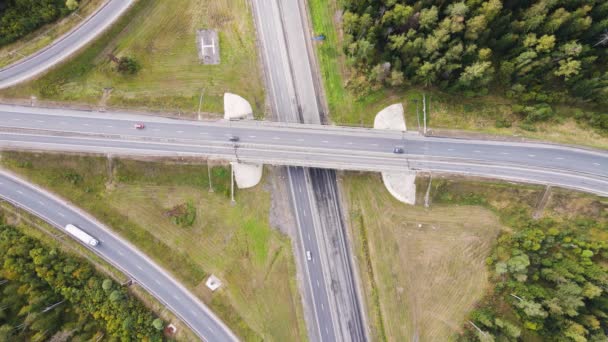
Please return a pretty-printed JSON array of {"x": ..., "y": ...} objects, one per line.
[
  {"x": 446, "y": 111},
  {"x": 161, "y": 36},
  {"x": 423, "y": 269},
  {"x": 45, "y": 35},
  {"x": 259, "y": 300}
]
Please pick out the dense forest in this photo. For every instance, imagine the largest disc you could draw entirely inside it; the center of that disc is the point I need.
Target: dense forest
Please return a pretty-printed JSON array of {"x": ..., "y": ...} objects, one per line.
[
  {"x": 538, "y": 52},
  {"x": 550, "y": 282},
  {"x": 20, "y": 17},
  {"x": 46, "y": 294}
]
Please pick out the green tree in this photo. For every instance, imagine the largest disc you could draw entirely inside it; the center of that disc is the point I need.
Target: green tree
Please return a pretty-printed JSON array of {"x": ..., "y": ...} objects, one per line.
[
  {"x": 71, "y": 4},
  {"x": 107, "y": 284},
  {"x": 158, "y": 324},
  {"x": 428, "y": 17}
]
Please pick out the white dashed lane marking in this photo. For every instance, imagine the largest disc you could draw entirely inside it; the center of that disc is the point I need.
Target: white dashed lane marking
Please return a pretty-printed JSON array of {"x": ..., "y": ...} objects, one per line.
[
  {"x": 61, "y": 214},
  {"x": 596, "y": 164},
  {"x": 20, "y": 192},
  {"x": 531, "y": 155}
]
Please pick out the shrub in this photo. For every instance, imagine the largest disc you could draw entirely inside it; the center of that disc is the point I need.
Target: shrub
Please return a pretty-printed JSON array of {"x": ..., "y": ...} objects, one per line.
[{"x": 128, "y": 65}]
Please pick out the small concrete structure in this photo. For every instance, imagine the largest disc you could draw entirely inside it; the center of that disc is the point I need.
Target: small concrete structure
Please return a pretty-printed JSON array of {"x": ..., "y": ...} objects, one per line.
[
  {"x": 236, "y": 107},
  {"x": 208, "y": 45},
  {"x": 402, "y": 185},
  {"x": 391, "y": 118},
  {"x": 247, "y": 175},
  {"x": 170, "y": 329},
  {"x": 213, "y": 283}
]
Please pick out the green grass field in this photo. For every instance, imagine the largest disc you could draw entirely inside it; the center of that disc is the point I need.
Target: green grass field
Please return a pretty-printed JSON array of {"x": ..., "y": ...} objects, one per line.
[
  {"x": 422, "y": 269},
  {"x": 446, "y": 111},
  {"x": 259, "y": 300},
  {"x": 161, "y": 35}
]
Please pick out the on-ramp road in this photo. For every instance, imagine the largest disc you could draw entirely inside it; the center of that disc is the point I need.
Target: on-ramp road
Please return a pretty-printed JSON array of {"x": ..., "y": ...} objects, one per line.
[
  {"x": 120, "y": 254},
  {"x": 66, "y": 45}
]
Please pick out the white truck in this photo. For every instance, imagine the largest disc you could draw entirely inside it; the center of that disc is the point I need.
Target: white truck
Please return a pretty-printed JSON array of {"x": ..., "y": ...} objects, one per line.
[{"x": 81, "y": 235}]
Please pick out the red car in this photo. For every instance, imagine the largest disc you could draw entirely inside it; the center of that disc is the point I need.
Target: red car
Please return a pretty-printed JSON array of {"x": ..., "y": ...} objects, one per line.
[{"x": 139, "y": 125}]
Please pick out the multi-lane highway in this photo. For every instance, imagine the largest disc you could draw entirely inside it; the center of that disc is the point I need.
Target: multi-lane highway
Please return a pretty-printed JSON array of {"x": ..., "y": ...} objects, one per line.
[
  {"x": 334, "y": 311},
  {"x": 66, "y": 45},
  {"x": 119, "y": 253},
  {"x": 288, "y": 74},
  {"x": 302, "y": 145}
]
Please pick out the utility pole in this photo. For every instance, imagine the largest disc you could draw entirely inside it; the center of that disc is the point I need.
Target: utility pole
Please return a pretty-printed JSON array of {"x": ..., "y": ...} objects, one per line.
[
  {"x": 200, "y": 102},
  {"x": 424, "y": 111},
  {"x": 232, "y": 184},
  {"x": 209, "y": 174}
]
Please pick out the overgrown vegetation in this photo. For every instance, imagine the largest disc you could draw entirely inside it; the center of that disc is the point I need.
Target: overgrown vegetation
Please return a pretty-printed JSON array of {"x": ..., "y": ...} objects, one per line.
[
  {"x": 20, "y": 17},
  {"x": 128, "y": 65},
  {"x": 183, "y": 214},
  {"x": 538, "y": 52},
  {"x": 550, "y": 275},
  {"x": 49, "y": 295},
  {"x": 553, "y": 278}
]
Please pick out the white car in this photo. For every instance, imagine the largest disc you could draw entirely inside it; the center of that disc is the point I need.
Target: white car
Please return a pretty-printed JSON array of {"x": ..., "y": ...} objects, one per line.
[{"x": 308, "y": 256}]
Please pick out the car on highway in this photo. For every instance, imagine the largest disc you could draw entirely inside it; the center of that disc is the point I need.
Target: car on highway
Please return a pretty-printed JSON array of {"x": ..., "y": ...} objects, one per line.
[
  {"x": 308, "y": 256},
  {"x": 398, "y": 150},
  {"x": 139, "y": 125},
  {"x": 234, "y": 138}
]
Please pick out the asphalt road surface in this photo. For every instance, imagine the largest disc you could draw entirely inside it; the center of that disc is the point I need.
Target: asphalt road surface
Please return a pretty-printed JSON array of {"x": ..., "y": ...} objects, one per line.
[
  {"x": 66, "y": 45},
  {"x": 283, "y": 34},
  {"x": 310, "y": 145},
  {"x": 276, "y": 34}
]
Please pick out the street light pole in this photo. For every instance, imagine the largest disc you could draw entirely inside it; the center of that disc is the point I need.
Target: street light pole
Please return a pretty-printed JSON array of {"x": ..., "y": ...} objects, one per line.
[{"x": 424, "y": 111}]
